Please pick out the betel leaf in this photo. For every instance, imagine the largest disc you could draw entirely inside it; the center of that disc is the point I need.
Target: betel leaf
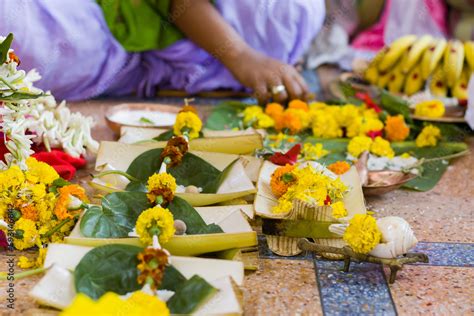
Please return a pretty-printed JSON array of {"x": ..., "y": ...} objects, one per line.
[
  {"x": 191, "y": 171},
  {"x": 116, "y": 217},
  {"x": 172, "y": 279},
  {"x": 4, "y": 47},
  {"x": 190, "y": 295},
  {"x": 441, "y": 150},
  {"x": 395, "y": 105},
  {"x": 109, "y": 268},
  {"x": 165, "y": 136},
  {"x": 225, "y": 116},
  {"x": 195, "y": 224}
]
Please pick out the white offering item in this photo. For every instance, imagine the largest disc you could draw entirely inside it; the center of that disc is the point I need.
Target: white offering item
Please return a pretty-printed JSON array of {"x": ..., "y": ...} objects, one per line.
[
  {"x": 397, "y": 238},
  {"x": 143, "y": 118}
]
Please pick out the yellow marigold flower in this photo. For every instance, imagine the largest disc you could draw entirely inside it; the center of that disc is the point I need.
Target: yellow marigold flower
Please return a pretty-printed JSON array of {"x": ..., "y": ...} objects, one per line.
[
  {"x": 40, "y": 172},
  {"x": 313, "y": 106},
  {"x": 338, "y": 209},
  {"x": 339, "y": 167},
  {"x": 429, "y": 136},
  {"x": 38, "y": 191},
  {"x": 26, "y": 234},
  {"x": 25, "y": 263},
  {"x": 431, "y": 108},
  {"x": 298, "y": 104},
  {"x": 324, "y": 124},
  {"x": 362, "y": 234},
  {"x": 61, "y": 210},
  {"x": 281, "y": 179},
  {"x": 274, "y": 110},
  {"x": 360, "y": 126},
  {"x": 138, "y": 304},
  {"x": 12, "y": 178},
  {"x": 405, "y": 155},
  {"x": 187, "y": 123},
  {"x": 264, "y": 121},
  {"x": 155, "y": 221},
  {"x": 152, "y": 264},
  {"x": 358, "y": 145},
  {"x": 283, "y": 206},
  {"x": 346, "y": 114},
  {"x": 396, "y": 129},
  {"x": 381, "y": 147},
  {"x": 250, "y": 114},
  {"x": 314, "y": 152},
  {"x": 161, "y": 184}
]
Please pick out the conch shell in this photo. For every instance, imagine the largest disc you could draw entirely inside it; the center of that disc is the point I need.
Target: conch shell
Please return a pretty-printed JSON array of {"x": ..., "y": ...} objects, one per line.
[{"x": 397, "y": 238}]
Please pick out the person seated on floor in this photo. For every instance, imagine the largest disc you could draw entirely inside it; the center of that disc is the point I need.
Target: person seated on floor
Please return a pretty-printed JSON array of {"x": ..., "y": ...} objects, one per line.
[{"x": 87, "y": 48}]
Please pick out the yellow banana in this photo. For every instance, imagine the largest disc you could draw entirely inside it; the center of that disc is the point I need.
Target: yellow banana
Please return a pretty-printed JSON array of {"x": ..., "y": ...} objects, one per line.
[
  {"x": 453, "y": 61},
  {"x": 371, "y": 74},
  {"x": 469, "y": 52},
  {"x": 383, "y": 79},
  {"x": 396, "y": 79},
  {"x": 396, "y": 49},
  {"x": 414, "y": 82},
  {"x": 438, "y": 86},
  {"x": 459, "y": 90},
  {"x": 415, "y": 52},
  {"x": 431, "y": 57}
]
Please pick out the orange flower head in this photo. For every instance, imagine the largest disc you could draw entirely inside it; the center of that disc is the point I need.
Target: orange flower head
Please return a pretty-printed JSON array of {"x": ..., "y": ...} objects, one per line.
[
  {"x": 175, "y": 150},
  {"x": 29, "y": 212},
  {"x": 274, "y": 110},
  {"x": 396, "y": 129},
  {"x": 339, "y": 167},
  {"x": 152, "y": 267},
  {"x": 282, "y": 178},
  {"x": 14, "y": 58},
  {"x": 292, "y": 121},
  {"x": 298, "y": 104},
  {"x": 61, "y": 209}
]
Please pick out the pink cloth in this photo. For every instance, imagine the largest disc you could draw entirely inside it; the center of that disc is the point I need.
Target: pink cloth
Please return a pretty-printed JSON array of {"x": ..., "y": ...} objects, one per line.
[{"x": 375, "y": 37}]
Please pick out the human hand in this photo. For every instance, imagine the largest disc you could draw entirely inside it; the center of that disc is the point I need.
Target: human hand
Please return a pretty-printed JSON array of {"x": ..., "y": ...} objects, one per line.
[{"x": 260, "y": 73}]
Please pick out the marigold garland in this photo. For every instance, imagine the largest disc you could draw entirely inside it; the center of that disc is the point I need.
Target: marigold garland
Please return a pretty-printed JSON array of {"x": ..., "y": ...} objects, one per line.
[{"x": 362, "y": 234}]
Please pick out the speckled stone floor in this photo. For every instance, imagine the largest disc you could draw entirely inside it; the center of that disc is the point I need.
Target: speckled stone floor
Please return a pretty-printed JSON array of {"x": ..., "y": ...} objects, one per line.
[{"x": 442, "y": 219}]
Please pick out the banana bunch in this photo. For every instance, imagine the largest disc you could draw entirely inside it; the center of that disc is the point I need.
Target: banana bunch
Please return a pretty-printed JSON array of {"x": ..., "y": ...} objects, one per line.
[{"x": 411, "y": 63}]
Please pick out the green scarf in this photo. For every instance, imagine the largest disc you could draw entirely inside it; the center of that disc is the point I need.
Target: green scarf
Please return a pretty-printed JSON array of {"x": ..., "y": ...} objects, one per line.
[{"x": 140, "y": 25}]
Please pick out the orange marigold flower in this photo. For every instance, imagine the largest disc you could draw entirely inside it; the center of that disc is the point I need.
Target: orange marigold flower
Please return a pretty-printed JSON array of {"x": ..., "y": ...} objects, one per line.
[
  {"x": 61, "y": 209},
  {"x": 298, "y": 104},
  {"x": 274, "y": 110},
  {"x": 292, "y": 121},
  {"x": 189, "y": 108},
  {"x": 282, "y": 178},
  {"x": 396, "y": 129},
  {"x": 152, "y": 267},
  {"x": 29, "y": 212},
  {"x": 339, "y": 167},
  {"x": 175, "y": 149}
]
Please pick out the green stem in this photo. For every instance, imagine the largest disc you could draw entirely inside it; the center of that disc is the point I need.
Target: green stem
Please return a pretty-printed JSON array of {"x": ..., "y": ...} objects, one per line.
[
  {"x": 58, "y": 227},
  {"x": 122, "y": 173},
  {"x": 459, "y": 154},
  {"x": 24, "y": 274},
  {"x": 7, "y": 84}
]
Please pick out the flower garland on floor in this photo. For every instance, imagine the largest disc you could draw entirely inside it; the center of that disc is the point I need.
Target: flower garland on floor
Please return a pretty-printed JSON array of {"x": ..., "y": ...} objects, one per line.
[{"x": 31, "y": 116}]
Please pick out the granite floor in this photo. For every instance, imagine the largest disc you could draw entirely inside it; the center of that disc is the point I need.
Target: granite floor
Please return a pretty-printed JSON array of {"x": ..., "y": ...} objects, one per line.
[{"x": 442, "y": 220}]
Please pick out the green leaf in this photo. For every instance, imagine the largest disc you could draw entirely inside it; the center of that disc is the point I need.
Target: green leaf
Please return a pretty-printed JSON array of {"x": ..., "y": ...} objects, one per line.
[
  {"x": 116, "y": 217},
  {"x": 225, "y": 116},
  {"x": 146, "y": 120},
  {"x": 109, "y": 268},
  {"x": 4, "y": 47},
  {"x": 58, "y": 183},
  {"x": 20, "y": 96},
  {"x": 432, "y": 173},
  {"x": 191, "y": 171},
  {"x": 441, "y": 150},
  {"x": 190, "y": 295},
  {"x": 395, "y": 105},
  {"x": 164, "y": 136},
  {"x": 195, "y": 224},
  {"x": 172, "y": 279},
  {"x": 334, "y": 145}
]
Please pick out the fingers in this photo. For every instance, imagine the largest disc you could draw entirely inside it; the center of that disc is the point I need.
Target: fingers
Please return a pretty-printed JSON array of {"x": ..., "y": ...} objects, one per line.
[{"x": 261, "y": 92}]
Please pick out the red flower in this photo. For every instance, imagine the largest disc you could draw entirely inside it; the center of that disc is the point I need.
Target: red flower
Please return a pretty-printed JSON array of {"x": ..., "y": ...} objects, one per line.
[
  {"x": 289, "y": 158},
  {"x": 373, "y": 134},
  {"x": 370, "y": 104},
  {"x": 327, "y": 201}
]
